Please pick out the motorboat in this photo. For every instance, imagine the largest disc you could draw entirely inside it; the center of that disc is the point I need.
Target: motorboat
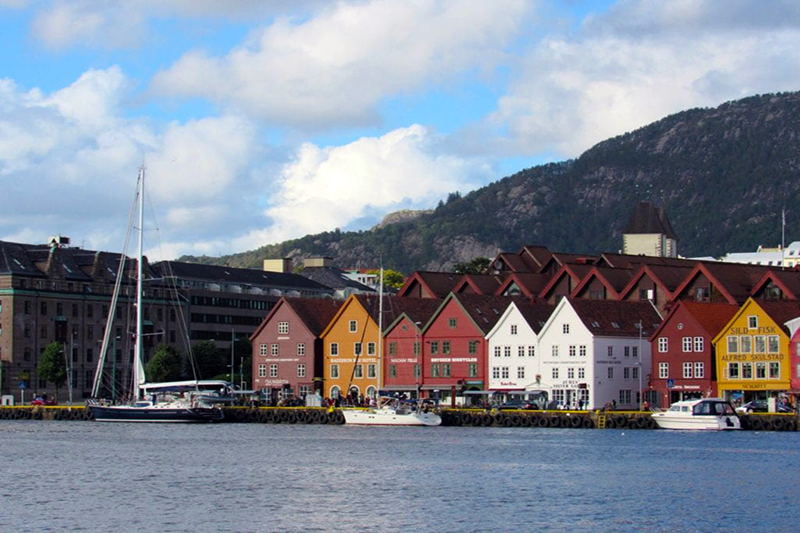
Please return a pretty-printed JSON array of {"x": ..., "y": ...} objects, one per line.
[
  {"x": 391, "y": 413},
  {"x": 707, "y": 414}
]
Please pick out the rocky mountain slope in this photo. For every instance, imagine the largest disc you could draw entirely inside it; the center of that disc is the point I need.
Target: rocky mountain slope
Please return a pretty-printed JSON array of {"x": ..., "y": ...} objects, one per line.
[{"x": 723, "y": 175}]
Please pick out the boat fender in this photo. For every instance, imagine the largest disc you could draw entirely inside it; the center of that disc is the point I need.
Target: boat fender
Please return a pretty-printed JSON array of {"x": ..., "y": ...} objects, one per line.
[
  {"x": 641, "y": 422},
  {"x": 300, "y": 417},
  {"x": 651, "y": 424},
  {"x": 565, "y": 422},
  {"x": 767, "y": 425},
  {"x": 543, "y": 422},
  {"x": 516, "y": 420},
  {"x": 554, "y": 422},
  {"x": 501, "y": 418},
  {"x": 88, "y": 414},
  {"x": 791, "y": 425},
  {"x": 756, "y": 424},
  {"x": 508, "y": 421},
  {"x": 777, "y": 424},
  {"x": 620, "y": 422},
  {"x": 525, "y": 421},
  {"x": 611, "y": 423},
  {"x": 340, "y": 418},
  {"x": 587, "y": 423},
  {"x": 575, "y": 421},
  {"x": 291, "y": 418},
  {"x": 486, "y": 420}
]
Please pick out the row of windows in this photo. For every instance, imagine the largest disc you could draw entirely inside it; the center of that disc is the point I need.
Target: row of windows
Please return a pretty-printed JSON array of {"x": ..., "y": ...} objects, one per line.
[
  {"x": 393, "y": 371},
  {"x": 273, "y": 371},
  {"x": 581, "y": 372},
  {"x": 770, "y": 370},
  {"x": 27, "y": 306},
  {"x": 333, "y": 349},
  {"x": 521, "y": 351},
  {"x": 502, "y": 372},
  {"x": 577, "y": 350},
  {"x": 690, "y": 370},
  {"x": 274, "y": 349},
  {"x": 358, "y": 371},
  {"x": 393, "y": 348},
  {"x": 689, "y": 344},
  {"x": 747, "y": 343},
  {"x": 236, "y": 303}
]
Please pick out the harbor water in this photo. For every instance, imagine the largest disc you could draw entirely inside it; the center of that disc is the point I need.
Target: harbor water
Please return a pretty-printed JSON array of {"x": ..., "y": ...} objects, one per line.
[{"x": 90, "y": 476}]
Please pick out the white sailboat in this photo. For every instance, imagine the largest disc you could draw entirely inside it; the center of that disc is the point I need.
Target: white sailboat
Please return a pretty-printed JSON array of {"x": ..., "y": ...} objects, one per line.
[
  {"x": 186, "y": 404},
  {"x": 390, "y": 412}
]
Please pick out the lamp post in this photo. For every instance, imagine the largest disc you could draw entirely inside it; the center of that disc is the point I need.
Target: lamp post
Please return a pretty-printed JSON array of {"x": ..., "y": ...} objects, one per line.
[
  {"x": 417, "y": 357},
  {"x": 641, "y": 368}
]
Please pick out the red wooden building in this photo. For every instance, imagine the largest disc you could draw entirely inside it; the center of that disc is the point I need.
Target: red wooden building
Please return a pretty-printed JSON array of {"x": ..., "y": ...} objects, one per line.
[
  {"x": 684, "y": 364},
  {"x": 402, "y": 350}
]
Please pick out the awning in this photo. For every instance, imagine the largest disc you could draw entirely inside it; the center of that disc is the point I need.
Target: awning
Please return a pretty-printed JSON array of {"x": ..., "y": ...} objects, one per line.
[{"x": 60, "y": 318}]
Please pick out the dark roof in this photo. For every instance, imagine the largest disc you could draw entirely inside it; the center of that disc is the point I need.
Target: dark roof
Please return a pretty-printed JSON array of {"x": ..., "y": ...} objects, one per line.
[
  {"x": 439, "y": 283},
  {"x": 787, "y": 280},
  {"x": 516, "y": 263},
  {"x": 334, "y": 278},
  {"x": 712, "y": 317},
  {"x": 483, "y": 283},
  {"x": 539, "y": 255},
  {"x": 780, "y": 311},
  {"x": 417, "y": 309},
  {"x": 316, "y": 313},
  {"x": 737, "y": 279},
  {"x": 485, "y": 310},
  {"x": 22, "y": 259},
  {"x": 529, "y": 282},
  {"x": 615, "y": 318},
  {"x": 670, "y": 276},
  {"x": 634, "y": 261},
  {"x": 227, "y": 274},
  {"x": 647, "y": 218},
  {"x": 535, "y": 314}
]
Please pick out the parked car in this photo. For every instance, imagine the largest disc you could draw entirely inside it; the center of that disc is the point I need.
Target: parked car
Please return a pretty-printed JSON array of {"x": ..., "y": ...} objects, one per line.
[
  {"x": 516, "y": 404},
  {"x": 44, "y": 399},
  {"x": 761, "y": 406}
]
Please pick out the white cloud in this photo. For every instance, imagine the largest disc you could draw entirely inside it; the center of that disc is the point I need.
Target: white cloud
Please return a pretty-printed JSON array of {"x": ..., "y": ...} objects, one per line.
[
  {"x": 337, "y": 66},
  {"x": 325, "y": 188}
]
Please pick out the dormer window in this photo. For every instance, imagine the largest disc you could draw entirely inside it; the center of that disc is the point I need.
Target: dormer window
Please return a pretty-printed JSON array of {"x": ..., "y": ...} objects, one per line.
[
  {"x": 513, "y": 329},
  {"x": 615, "y": 325},
  {"x": 752, "y": 322},
  {"x": 565, "y": 329}
]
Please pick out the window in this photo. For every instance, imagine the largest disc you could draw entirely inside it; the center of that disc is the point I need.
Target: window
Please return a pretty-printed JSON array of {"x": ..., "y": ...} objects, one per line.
[
  {"x": 417, "y": 371},
  {"x": 570, "y": 373},
  {"x": 504, "y": 372},
  {"x": 371, "y": 371},
  {"x": 43, "y": 308},
  {"x": 417, "y": 347},
  {"x": 761, "y": 344},
  {"x": 761, "y": 370},
  {"x": 572, "y": 351},
  {"x": 27, "y": 354},
  {"x": 626, "y": 373},
  {"x": 774, "y": 345},
  {"x": 507, "y": 351},
  {"x": 733, "y": 370},
  {"x": 90, "y": 332},
  {"x": 611, "y": 372},
  {"x": 392, "y": 348},
  {"x": 334, "y": 349},
  {"x": 435, "y": 347},
  {"x": 752, "y": 322},
  {"x": 663, "y": 370},
  {"x": 687, "y": 370},
  {"x": 745, "y": 344},
  {"x": 555, "y": 351},
  {"x": 262, "y": 371},
  {"x": 473, "y": 370},
  {"x": 27, "y": 331},
  {"x": 663, "y": 344},
  {"x": 582, "y": 350},
  {"x": 436, "y": 370},
  {"x": 446, "y": 370},
  {"x": 611, "y": 351},
  {"x": 495, "y": 372},
  {"x": 283, "y": 328},
  {"x": 733, "y": 344},
  {"x": 334, "y": 371},
  {"x": 687, "y": 344},
  {"x": 531, "y": 351},
  {"x": 358, "y": 371},
  {"x": 774, "y": 370},
  {"x": 357, "y": 348},
  {"x": 565, "y": 329},
  {"x": 392, "y": 371},
  {"x": 747, "y": 370},
  {"x": 497, "y": 350},
  {"x": 301, "y": 349},
  {"x": 28, "y": 308},
  {"x": 89, "y": 355},
  {"x": 89, "y": 311},
  {"x": 353, "y": 326},
  {"x": 445, "y": 347},
  {"x": 555, "y": 372},
  {"x": 371, "y": 350},
  {"x": 452, "y": 323},
  {"x": 699, "y": 344},
  {"x": 624, "y": 396},
  {"x": 520, "y": 351},
  {"x": 581, "y": 372},
  {"x": 301, "y": 371},
  {"x": 635, "y": 372},
  {"x": 699, "y": 370},
  {"x": 473, "y": 347},
  {"x": 513, "y": 329},
  {"x": 520, "y": 372},
  {"x": 273, "y": 371},
  {"x": 43, "y": 331},
  {"x": 274, "y": 350},
  {"x": 627, "y": 351}
]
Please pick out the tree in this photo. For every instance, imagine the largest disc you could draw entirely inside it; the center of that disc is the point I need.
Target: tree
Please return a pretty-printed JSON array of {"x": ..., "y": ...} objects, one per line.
[
  {"x": 165, "y": 364},
  {"x": 53, "y": 365},
  {"x": 209, "y": 360},
  {"x": 391, "y": 278},
  {"x": 476, "y": 266}
]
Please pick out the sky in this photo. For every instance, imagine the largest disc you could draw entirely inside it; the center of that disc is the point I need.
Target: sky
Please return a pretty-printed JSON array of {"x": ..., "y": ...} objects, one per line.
[{"x": 260, "y": 121}]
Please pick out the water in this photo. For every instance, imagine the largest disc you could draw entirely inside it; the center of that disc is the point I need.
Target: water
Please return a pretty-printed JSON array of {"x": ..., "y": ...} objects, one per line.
[{"x": 89, "y": 476}]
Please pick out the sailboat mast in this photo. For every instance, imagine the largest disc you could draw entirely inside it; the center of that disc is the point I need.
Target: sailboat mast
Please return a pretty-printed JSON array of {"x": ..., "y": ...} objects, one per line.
[
  {"x": 380, "y": 335},
  {"x": 138, "y": 364}
]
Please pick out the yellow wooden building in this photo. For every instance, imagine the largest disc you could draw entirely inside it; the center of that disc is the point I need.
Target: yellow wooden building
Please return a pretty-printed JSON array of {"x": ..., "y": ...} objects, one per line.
[
  {"x": 350, "y": 349},
  {"x": 752, "y": 351}
]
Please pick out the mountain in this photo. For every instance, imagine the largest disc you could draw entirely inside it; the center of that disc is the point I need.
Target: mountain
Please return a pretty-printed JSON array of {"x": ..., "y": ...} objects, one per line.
[{"x": 723, "y": 176}]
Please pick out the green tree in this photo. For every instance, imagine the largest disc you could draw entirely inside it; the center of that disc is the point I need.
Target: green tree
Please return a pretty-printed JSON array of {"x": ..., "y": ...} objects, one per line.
[
  {"x": 165, "y": 364},
  {"x": 209, "y": 360},
  {"x": 53, "y": 365},
  {"x": 476, "y": 266},
  {"x": 391, "y": 278}
]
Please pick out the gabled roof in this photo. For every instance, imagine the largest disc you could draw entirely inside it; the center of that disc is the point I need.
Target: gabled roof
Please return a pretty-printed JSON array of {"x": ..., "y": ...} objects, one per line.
[
  {"x": 613, "y": 279},
  {"x": 535, "y": 256},
  {"x": 576, "y": 272},
  {"x": 438, "y": 284},
  {"x": 732, "y": 280},
  {"x": 416, "y": 310},
  {"x": 780, "y": 311},
  {"x": 531, "y": 284},
  {"x": 711, "y": 317},
  {"x": 634, "y": 261},
  {"x": 535, "y": 313},
  {"x": 647, "y": 218},
  {"x": 334, "y": 278},
  {"x": 787, "y": 280},
  {"x": 668, "y": 278},
  {"x": 483, "y": 310},
  {"x": 480, "y": 283},
  {"x": 614, "y": 318},
  {"x": 512, "y": 263},
  {"x": 315, "y": 313}
]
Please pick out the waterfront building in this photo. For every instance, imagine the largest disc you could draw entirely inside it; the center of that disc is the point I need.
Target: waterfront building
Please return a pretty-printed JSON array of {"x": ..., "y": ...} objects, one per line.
[
  {"x": 454, "y": 350},
  {"x": 649, "y": 232},
  {"x": 479, "y": 284},
  {"x": 753, "y": 354},
  {"x": 402, "y": 353},
  {"x": 684, "y": 359},
  {"x": 603, "y": 283},
  {"x": 564, "y": 282},
  {"x": 778, "y": 285},
  {"x": 287, "y": 350},
  {"x": 595, "y": 352},
  {"x": 793, "y": 326},
  {"x": 321, "y": 270},
  {"x": 770, "y": 256},
  {"x": 656, "y": 284},
  {"x": 524, "y": 284},
  {"x": 720, "y": 282},
  {"x": 513, "y": 347}
]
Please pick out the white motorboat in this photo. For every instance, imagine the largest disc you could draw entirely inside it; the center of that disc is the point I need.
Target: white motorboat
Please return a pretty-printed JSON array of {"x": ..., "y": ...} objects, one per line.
[
  {"x": 391, "y": 414},
  {"x": 708, "y": 414}
]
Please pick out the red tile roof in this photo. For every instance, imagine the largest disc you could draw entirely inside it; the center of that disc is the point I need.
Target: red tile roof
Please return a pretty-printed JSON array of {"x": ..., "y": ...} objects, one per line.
[
  {"x": 481, "y": 283},
  {"x": 614, "y": 318},
  {"x": 712, "y": 317},
  {"x": 780, "y": 311},
  {"x": 484, "y": 310},
  {"x": 438, "y": 283},
  {"x": 316, "y": 313}
]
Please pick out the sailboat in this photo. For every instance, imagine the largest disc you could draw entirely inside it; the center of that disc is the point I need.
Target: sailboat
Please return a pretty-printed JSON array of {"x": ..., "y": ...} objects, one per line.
[
  {"x": 389, "y": 411},
  {"x": 167, "y": 402}
]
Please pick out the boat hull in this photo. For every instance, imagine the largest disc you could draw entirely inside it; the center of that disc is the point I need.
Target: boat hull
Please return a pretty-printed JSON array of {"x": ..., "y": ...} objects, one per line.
[
  {"x": 124, "y": 413},
  {"x": 697, "y": 422},
  {"x": 380, "y": 417}
]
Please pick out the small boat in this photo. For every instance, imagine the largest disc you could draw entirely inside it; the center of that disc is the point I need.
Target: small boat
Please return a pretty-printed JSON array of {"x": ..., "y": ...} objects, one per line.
[
  {"x": 391, "y": 413},
  {"x": 707, "y": 414}
]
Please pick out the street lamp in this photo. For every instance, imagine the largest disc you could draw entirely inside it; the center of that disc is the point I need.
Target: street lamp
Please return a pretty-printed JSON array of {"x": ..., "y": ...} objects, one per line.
[{"x": 639, "y": 364}]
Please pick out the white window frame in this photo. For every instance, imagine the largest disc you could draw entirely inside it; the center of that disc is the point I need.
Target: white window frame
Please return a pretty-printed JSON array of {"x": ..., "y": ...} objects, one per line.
[
  {"x": 283, "y": 328},
  {"x": 513, "y": 329},
  {"x": 700, "y": 369},
  {"x": 663, "y": 344},
  {"x": 372, "y": 348},
  {"x": 663, "y": 370},
  {"x": 273, "y": 370},
  {"x": 334, "y": 349},
  {"x": 301, "y": 370},
  {"x": 555, "y": 372},
  {"x": 335, "y": 371},
  {"x": 263, "y": 349},
  {"x": 274, "y": 350},
  {"x": 565, "y": 329},
  {"x": 262, "y": 370},
  {"x": 699, "y": 344},
  {"x": 687, "y": 370},
  {"x": 520, "y": 372},
  {"x": 687, "y": 344},
  {"x": 301, "y": 349},
  {"x": 352, "y": 326}
]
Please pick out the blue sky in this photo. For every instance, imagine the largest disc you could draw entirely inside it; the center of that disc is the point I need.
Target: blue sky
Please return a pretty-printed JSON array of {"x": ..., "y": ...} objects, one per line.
[{"x": 261, "y": 121}]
